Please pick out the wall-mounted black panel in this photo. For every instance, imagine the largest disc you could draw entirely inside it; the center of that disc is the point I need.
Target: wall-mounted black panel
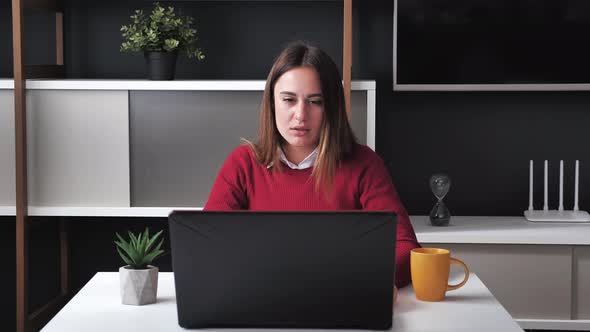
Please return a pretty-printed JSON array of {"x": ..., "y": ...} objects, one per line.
[
  {"x": 39, "y": 37},
  {"x": 44, "y": 261},
  {"x": 5, "y": 39},
  {"x": 492, "y": 41},
  {"x": 8, "y": 278}
]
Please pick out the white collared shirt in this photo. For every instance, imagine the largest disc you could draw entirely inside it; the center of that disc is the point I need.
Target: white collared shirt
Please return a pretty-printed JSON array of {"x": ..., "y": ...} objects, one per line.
[{"x": 308, "y": 162}]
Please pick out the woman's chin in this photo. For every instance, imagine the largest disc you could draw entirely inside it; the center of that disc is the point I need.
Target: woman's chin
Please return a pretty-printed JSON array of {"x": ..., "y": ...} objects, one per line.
[{"x": 300, "y": 143}]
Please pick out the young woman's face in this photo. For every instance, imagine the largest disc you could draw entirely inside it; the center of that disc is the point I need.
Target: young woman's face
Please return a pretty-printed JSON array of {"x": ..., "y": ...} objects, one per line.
[{"x": 299, "y": 110}]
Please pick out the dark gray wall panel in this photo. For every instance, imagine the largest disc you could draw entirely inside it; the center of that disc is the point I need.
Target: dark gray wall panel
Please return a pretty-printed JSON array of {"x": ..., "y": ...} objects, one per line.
[
  {"x": 7, "y": 149},
  {"x": 180, "y": 139},
  {"x": 358, "y": 118}
]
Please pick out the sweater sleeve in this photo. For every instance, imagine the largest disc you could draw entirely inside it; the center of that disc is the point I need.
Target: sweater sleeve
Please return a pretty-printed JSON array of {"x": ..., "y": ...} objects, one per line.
[
  {"x": 229, "y": 189},
  {"x": 378, "y": 193}
]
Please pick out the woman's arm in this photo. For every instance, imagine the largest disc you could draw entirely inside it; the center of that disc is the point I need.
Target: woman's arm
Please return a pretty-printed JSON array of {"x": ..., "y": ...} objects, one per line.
[
  {"x": 229, "y": 189},
  {"x": 378, "y": 193}
]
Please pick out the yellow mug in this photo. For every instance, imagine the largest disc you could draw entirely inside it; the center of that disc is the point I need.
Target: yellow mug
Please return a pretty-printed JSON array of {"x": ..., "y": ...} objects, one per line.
[{"x": 430, "y": 273}]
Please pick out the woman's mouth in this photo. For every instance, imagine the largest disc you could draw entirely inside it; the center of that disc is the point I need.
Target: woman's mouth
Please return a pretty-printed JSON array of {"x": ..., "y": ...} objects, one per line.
[{"x": 299, "y": 131}]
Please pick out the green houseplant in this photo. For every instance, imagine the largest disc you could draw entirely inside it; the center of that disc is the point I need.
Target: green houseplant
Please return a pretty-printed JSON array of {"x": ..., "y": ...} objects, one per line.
[
  {"x": 161, "y": 36},
  {"x": 139, "y": 279}
]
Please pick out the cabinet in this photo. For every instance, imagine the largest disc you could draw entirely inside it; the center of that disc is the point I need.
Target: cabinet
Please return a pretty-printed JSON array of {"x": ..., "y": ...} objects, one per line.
[
  {"x": 538, "y": 271},
  {"x": 531, "y": 281}
]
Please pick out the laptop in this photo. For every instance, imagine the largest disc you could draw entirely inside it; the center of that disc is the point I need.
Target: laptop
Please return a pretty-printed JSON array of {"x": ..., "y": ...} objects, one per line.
[{"x": 246, "y": 269}]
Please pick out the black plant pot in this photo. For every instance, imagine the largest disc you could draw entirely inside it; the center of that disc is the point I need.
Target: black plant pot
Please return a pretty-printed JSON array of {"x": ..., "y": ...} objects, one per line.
[{"x": 161, "y": 65}]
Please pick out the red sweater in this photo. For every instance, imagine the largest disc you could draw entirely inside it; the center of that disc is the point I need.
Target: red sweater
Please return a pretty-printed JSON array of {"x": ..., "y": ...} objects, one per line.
[{"x": 361, "y": 183}]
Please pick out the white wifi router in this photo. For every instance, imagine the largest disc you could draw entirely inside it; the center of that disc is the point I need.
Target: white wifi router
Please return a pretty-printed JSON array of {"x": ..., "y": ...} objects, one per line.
[{"x": 559, "y": 215}]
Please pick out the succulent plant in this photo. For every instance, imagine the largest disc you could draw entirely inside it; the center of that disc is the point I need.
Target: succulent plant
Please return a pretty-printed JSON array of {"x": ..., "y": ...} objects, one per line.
[{"x": 139, "y": 250}]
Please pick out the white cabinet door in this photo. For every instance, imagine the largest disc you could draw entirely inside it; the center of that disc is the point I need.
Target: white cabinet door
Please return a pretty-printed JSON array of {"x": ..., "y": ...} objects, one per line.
[
  {"x": 582, "y": 282},
  {"x": 78, "y": 148}
]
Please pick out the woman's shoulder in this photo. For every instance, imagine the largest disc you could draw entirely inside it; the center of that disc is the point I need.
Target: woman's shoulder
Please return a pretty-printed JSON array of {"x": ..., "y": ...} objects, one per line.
[
  {"x": 363, "y": 153},
  {"x": 242, "y": 154}
]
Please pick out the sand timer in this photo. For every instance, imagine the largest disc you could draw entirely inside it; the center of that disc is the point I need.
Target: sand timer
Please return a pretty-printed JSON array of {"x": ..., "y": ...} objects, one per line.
[{"x": 440, "y": 185}]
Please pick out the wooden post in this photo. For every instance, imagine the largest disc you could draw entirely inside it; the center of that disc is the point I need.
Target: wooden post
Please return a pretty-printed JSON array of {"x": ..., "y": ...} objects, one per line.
[
  {"x": 347, "y": 53},
  {"x": 21, "y": 168}
]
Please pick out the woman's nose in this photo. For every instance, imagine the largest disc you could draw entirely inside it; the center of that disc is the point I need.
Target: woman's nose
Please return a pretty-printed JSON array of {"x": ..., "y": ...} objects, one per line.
[{"x": 300, "y": 110}]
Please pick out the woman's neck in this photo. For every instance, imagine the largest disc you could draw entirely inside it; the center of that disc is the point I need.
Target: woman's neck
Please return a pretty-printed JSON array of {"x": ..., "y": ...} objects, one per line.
[{"x": 296, "y": 155}]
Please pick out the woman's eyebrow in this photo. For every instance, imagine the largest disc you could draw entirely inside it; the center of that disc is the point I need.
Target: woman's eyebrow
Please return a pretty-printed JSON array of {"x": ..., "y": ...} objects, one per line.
[{"x": 289, "y": 93}]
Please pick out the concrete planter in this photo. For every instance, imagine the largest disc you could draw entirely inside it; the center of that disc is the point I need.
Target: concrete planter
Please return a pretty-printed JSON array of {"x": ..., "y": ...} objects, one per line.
[{"x": 138, "y": 287}]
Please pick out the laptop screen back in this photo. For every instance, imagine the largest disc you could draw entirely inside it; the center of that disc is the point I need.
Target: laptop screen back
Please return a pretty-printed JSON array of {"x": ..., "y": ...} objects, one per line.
[{"x": 283, "y": 269}]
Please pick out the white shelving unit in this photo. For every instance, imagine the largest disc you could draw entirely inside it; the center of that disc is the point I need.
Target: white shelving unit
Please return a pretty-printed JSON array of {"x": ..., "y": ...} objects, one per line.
[{"x": 80, "y": 141}]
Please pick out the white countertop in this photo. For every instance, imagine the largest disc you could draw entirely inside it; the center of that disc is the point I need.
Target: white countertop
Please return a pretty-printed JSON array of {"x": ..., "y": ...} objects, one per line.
[
  {"x": 143, "y": 84},
  {"x": 501, "y": 230},
  {"x": 97, "y": 307}
]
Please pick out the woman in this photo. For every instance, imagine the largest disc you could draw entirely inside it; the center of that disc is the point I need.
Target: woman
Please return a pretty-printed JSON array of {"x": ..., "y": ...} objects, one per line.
[{"x": 306, "y": 156}]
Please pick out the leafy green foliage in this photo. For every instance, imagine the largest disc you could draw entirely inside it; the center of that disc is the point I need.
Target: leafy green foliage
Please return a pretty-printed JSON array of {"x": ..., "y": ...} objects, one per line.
[
  {"x": 139, "y": 250},
  {"x": 162, "y": 30}
]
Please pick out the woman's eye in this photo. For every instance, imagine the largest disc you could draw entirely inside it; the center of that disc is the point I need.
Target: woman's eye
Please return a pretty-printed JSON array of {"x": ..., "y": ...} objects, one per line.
[
  {"x": 288, "y": 100},
  {"x": 316, "y": 102}
]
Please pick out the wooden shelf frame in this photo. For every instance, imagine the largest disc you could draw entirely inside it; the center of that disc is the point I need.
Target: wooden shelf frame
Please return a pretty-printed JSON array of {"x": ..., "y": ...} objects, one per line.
[{"x": 24, "y": 321}]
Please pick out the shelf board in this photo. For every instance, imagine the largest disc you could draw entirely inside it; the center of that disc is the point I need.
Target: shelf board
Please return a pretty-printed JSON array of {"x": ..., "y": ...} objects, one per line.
[
  {"x": 140, "y": 84},
  {"x": 6, "y": 83},
  {"x": 7, "y": 211},
  {"x": 75, "y": 211}
]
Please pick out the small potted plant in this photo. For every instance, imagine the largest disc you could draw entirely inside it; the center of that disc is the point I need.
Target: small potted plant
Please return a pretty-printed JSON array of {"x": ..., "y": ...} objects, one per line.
[
  {"x": 139, "y": 279},
  {"x": 160, "y": 36}
]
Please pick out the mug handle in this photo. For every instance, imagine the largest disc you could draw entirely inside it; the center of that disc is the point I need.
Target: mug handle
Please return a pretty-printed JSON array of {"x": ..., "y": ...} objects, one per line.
[{"x": 459, "y": 285}]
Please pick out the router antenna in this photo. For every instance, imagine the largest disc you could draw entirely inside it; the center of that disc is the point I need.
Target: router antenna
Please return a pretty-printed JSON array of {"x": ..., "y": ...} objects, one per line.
[
  {"x": 560, "y": 208},
  {"x": 531, "y": 185},
  {"x": 545, "y": 205},
  {"x": 576, "y": 208},
  {"x": 559, "y": 214}
]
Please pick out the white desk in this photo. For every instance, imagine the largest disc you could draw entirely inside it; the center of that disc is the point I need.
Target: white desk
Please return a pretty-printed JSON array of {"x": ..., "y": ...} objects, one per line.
[{"x": 97, "y": 307}]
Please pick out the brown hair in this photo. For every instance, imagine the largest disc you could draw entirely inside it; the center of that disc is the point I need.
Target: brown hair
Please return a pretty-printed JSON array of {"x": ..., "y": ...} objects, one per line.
[{"x": 336, "y": 138}]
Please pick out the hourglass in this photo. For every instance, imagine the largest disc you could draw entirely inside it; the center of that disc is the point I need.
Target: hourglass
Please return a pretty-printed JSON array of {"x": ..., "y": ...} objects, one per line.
[{"x": 440, "y": 185}]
